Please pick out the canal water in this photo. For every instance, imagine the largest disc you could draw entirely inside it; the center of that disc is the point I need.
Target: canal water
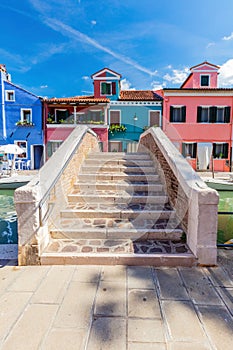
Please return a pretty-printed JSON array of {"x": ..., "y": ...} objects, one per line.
[{"x": 225, "y": 222}]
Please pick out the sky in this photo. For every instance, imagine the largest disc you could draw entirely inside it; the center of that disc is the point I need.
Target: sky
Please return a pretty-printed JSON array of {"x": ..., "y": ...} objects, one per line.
[{"x": 52, "y": 47}]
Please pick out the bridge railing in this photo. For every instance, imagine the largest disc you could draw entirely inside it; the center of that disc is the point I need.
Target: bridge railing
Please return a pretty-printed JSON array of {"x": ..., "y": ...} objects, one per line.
[
  {"x": 195, "y": 203},
  {"x": 38, "y": 203}
]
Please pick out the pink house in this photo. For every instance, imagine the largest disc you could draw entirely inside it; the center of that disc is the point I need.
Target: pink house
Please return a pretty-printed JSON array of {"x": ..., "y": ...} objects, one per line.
[{"x": 197, "y": 117}]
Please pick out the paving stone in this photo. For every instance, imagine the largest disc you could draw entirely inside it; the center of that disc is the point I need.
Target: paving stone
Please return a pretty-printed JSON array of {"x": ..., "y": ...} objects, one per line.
[
  {"x": 107, "y": 333},
  {"x": 7, "y": 276},
  {"x": 143, "y": 304},
  {"x": 219, "y": 326},
  {"x": 199, "y": 287},
  {"x": 145, "y": 330},
  {"x": 183, "y": 323},
  {"x": 61, "y": 339},
  {"x": 31, "y": 328},
  {"x": 219, "y": 277},
  {"x": 227, "y": 297},
  {"x": 53, "y": 287},
  {"x": 77, "y": 305},
  {"x": 147, "y": 346},
  {"x": 11, "y": 306},
  {"x": 87, "y": 274},
  {"x": 111, "y": 299},
  {"x": 140, "y": 277},
  {"x": 170, "y": 284},
  {"x": 114, "y": 273},
  {"x": 189, "y": 346},
  {"x": 29, "y": 279}
]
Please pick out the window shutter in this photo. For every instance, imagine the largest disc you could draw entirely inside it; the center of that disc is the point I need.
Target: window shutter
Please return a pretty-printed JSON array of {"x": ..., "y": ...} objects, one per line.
[
  {"x": 103, "y": 89},
  {"x": 183, "y": 149},
  {"x": 195, "y": 150},
  {"x": 213, "y": 114},
  {"x": 171, "y": 114},
  {"x": 214, "y": 150},
  {"x": 227, "y": 114},
  {"x": 225, "y": 150},
  {"x": 199, "y": 109},
  {"x": 183, "y": 114},
  {"x": 113, "y": 88}
]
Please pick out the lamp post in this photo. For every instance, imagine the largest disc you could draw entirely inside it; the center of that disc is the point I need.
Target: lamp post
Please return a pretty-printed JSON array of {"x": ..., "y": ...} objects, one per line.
[{"x": 135, "y": 118}]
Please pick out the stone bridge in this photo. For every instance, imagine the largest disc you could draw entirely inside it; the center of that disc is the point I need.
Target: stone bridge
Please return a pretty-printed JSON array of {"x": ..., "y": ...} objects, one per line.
[{"x": 143, "y": 208}]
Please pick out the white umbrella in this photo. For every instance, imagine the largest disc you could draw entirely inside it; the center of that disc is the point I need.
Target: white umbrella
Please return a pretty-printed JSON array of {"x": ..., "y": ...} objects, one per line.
[{"x": 11, "y": 149}]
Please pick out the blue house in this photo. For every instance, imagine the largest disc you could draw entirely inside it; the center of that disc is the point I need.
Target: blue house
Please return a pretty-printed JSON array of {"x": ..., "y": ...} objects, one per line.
[
  {"x": 130, "y": 112},
  {"x": 21, "y": 120}
]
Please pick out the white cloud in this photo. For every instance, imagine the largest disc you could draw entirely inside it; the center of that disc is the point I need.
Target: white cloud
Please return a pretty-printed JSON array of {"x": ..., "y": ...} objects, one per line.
[
  {"x": 85, "y": 77},
  {"x": 126, "y": 85},
  {"x": 44, "y": 86},
  {"x": 93, "y": 22},
  {"x": 156, "y": 85},
  {"x": 226, "y": 74},
  {"x": 230, "y": 37},
  {"x": 177, "y": 76},
  {"x": 210, "y": 44}
]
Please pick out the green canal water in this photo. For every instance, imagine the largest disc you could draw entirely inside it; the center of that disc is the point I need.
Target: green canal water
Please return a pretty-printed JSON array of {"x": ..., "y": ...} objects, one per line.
[
  {"x": 225, "y": 222},
  {"x": 8, "y": 218}
]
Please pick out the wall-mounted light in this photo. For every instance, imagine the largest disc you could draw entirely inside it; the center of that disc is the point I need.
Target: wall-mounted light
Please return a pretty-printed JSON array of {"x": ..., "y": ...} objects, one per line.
[{"x": 135, "y": 117}]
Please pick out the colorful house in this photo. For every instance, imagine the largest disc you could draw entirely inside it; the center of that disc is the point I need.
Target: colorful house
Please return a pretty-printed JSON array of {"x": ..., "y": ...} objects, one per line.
[
  {"x": 62, "y": 115},
  {"x": 21, "y": 121},
  {"x": 130, "y": 111},
  {"x": 197, "y": 117}
]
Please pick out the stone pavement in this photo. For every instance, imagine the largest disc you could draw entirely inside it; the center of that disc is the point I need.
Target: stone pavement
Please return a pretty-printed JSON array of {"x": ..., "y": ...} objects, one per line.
[{"x": 117, "y": 307}]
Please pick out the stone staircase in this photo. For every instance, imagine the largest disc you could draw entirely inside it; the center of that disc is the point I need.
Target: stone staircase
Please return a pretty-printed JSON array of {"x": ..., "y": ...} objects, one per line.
[{"x": 118, "y": 213}]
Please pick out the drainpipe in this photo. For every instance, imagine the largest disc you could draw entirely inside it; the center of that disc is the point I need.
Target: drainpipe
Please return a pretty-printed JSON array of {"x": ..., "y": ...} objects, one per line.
[{"x": 3, "y": 107}]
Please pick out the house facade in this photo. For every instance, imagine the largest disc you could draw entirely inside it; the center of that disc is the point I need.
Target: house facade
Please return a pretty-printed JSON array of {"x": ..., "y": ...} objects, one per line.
[
  {"x": 197, "y": 117},
  {"x": 21, "y": 120},
  {"x": 130, "y": 112}
]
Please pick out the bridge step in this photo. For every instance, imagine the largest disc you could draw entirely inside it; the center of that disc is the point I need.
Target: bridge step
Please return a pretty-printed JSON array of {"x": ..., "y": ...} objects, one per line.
[
  {"x": 118, "y": 213},
  {"x": 118, "y": 252}
]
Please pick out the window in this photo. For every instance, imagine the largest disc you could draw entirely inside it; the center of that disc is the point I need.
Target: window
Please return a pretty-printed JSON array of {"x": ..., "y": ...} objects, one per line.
[
  {"x": 26, "y": 115},
  {"x": 114, "y": 117},
  {"x": 154, "y": 118},
  {"x": 108, "y": 88},
  {"x": 189, "y": 150},
  {"x": 177, "y": 114},
  {"x": 10, "y": 95},
  {"x": 205, "y": 80},
  {"x": 213, "y": 114},
  {"x": 23, "y": 145},
  {"x": 52, "y": 146},
  {"x": 61, "y": 115},
  {"x": 220, "y": 150}
]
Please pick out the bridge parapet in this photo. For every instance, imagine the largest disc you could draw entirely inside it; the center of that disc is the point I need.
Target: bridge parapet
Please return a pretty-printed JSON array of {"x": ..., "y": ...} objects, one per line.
[
  {"x": 38, "y": 203},
  {"x": 196, "y": 204}
]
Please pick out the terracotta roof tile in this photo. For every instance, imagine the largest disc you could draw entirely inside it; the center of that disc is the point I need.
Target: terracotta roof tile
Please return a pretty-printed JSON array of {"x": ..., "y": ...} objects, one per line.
[
  {"x": 76, "y": 99},
  {"x": 139, "y": 95}
]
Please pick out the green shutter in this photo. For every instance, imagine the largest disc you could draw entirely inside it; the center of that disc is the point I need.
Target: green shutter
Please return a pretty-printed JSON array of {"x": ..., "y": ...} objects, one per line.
[
  {"x": 195, "y": 150},
  {"x": 183, "y": 149},
  {"x": 103, "y": 89},
  {"x": 227, "y": 111},
  {"x": 225, "y": 150},
  {"x": 199, "y": 109}
]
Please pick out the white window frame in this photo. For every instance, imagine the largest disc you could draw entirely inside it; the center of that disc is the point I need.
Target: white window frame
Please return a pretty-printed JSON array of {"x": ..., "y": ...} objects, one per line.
[
  {"x": 151, "y": 111},
  {"x": 9, "y": 92},
  {"x": 22, "y": 114},
  {"x": 114, "y": 110},
  {"x": 26, "y": 148},
  {"x": 108, "y": 83},
  {"x": 192, "y": 151},
  {"x": 205, "y": 75}
]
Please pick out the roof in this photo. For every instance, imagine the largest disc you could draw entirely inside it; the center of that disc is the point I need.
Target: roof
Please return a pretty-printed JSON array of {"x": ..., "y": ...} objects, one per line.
[
  {"x": 76, "y": 100},
  {"x": 139, "y": 95},
  {"x": 187, "y": 79},
  {"x": 106, "y": 70},
  {"x": 205, "y": 62},
  {"x": 198, "y": 89}
]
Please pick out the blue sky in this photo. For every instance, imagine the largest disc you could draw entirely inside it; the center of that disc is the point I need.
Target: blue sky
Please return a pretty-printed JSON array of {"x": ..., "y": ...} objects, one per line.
[{"x": 51, "y": 47}]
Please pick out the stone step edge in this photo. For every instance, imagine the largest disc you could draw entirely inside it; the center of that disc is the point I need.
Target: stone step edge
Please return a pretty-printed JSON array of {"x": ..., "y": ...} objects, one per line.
[
  {"x": 110, "y": 230},
  {"x": 166, "y": 260},
  {"x": 114, "y": 198}
]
